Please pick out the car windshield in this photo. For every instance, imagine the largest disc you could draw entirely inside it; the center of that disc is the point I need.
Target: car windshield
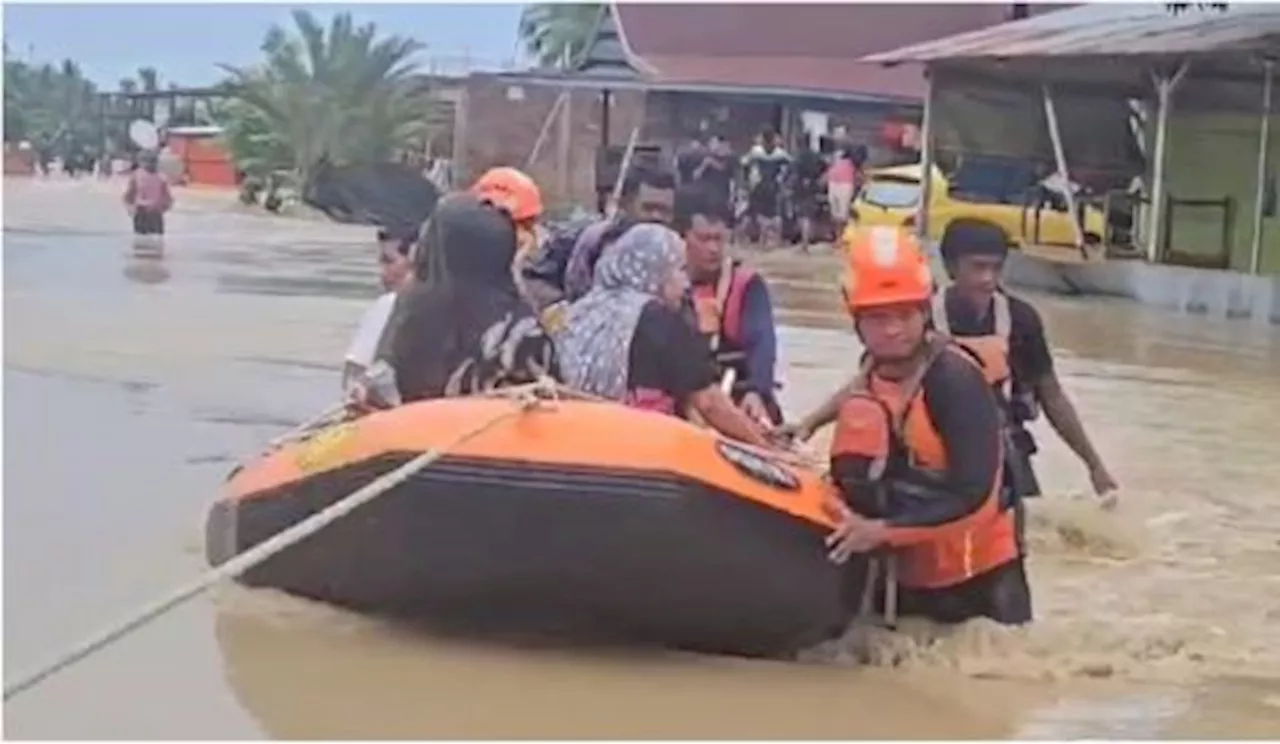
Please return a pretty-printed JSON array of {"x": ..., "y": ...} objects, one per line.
[{"x": 892, "y": 193}]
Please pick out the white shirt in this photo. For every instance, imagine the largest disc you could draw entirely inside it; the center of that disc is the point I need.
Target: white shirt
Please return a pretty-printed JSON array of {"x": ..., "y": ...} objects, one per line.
[{"x": 364, "y": 345}]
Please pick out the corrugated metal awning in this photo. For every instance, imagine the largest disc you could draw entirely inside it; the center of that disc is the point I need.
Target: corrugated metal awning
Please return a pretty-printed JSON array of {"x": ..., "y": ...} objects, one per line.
[
  {"x": 1108, "y": 30},
  {"x": 746, "y": 90}
]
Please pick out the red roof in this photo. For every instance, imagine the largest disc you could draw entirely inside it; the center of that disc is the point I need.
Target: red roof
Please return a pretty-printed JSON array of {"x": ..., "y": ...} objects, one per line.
[{"x": 792, "y": 46}]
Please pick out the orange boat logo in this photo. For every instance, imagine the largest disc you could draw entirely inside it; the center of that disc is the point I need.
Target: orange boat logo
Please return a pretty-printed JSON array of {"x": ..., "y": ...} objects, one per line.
[{"x": 325, "y": 448}]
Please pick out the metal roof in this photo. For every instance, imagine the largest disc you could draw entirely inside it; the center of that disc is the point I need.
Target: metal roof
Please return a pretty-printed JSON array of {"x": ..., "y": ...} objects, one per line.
[
  {"x": 1108, "y": 30},
  {"x": 810, "y": 51},
  {"x": 750, "y": 90}
]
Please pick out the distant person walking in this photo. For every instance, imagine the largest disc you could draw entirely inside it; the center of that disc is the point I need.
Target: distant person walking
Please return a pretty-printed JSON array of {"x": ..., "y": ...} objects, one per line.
[
  {"x": 844, "y": 180},
  {"x": 766, "y": 169},
  {"x": 147, "y": 197}
]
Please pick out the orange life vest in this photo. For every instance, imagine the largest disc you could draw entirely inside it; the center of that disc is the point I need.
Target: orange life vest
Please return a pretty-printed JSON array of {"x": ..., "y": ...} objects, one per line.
[
  {"x": 884, "y": 418},
  {"x": 992, "y": 349},
  {"x": 718, "y": 307}
]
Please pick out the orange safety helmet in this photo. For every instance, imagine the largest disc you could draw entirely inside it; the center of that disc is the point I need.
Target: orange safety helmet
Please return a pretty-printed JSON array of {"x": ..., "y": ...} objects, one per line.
[
  {"x": 511, "y": 190},
  {"x": 885, "y": 267}
]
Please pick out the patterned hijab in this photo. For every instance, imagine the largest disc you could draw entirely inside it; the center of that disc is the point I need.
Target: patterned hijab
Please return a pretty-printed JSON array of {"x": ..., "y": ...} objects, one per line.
[{"x": 595, "y": 346}]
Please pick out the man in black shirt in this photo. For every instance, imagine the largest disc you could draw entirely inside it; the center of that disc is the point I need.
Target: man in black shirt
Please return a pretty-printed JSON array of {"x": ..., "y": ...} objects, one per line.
[
  {"x": 807, "y": 192},
  {"x": 716, "y": 172},
  {"x": 766, "y": 169},
  {"x": 975, "y": 305},
  {"x": 688, "y": 161},
  {"x": 976, "y": 308}
]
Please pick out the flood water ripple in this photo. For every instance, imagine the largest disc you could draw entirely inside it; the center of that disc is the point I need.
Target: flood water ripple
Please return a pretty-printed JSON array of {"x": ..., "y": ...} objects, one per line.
[{"x": 133, "y": 380}]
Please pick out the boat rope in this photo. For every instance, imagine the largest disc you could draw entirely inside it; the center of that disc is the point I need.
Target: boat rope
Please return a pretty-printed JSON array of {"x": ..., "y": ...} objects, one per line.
[{"x": 525, "y": 397}]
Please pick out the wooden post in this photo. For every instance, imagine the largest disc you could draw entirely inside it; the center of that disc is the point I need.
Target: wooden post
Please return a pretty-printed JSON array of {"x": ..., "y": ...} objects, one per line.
[
  {"x": 1164, "y": 93},
  {"x": 563, "y": 160},
  {"x": 926, "y": 161},
  {"x": 1060, "y": 160},
  {"x": 1264, "y": 141}
]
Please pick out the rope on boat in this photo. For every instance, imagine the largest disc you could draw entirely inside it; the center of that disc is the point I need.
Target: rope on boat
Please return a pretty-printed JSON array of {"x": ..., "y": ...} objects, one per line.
[{"x": 525, "y": 397}]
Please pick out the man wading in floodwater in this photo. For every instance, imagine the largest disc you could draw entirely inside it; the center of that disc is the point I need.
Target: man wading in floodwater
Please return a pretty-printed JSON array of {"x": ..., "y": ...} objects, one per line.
[
  {"x": 977, "y": 311},
  {"x": 918, "y": 453},
  {"x": 975, "y": 306},
  {"x": 147, "y": 197}
]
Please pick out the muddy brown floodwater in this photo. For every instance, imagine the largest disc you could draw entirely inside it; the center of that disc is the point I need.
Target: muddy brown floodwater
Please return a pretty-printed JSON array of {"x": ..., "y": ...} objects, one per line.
[{"x": 132, "y": 381}]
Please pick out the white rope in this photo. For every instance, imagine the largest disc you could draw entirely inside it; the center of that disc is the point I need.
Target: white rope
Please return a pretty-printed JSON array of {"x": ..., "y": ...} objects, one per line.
[{"x": 526, "y": 398}]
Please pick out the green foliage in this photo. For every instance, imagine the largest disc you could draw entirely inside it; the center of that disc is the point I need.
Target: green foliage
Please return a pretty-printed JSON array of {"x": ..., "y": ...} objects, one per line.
[
  {"x": 557, "y": 34},
  {"x": 60, "y": 112},
  {"x": 258, "y": 148},
  {"x": 344, "y": 95},
  {"x": 53, "y": 107}
]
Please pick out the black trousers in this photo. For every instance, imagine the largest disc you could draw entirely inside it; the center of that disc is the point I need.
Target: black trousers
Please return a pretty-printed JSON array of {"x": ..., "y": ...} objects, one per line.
[
  {"x": 148, "y": 222},
  {"x": 1002, "y": 594}
]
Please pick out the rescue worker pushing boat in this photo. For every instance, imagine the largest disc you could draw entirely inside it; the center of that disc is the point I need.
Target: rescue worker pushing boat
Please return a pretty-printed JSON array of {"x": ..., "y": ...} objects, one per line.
[
  {"x": 918, "y": 452},
  {"x": 978, "y": 312}
]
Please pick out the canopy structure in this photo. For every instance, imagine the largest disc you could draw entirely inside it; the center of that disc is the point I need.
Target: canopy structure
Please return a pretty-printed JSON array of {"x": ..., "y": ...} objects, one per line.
[{"x": 988, "y": 86}]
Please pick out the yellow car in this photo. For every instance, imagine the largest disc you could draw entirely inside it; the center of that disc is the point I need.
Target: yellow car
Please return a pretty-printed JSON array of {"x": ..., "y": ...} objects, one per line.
[{"x": 891, "y": 196}]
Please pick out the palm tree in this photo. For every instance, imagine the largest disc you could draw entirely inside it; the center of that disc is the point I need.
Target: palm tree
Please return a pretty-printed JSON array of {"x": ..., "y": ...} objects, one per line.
[
  {"x": 342, "y": 96},
  {"x": 149, "y": 78},
  {"x": 557, "y": 34}
]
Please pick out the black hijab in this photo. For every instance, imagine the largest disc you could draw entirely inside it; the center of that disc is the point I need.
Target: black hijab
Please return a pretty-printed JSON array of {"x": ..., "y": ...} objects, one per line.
[{"x": 464, "y": 286}]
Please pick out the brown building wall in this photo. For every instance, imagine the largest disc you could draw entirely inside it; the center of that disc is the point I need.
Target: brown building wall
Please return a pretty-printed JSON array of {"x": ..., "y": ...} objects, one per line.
[{"x": 498, "y": 122}]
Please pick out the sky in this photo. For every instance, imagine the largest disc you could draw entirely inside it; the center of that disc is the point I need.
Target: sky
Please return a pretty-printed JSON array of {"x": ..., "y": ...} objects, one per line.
[{"x": 186, "y": 42}]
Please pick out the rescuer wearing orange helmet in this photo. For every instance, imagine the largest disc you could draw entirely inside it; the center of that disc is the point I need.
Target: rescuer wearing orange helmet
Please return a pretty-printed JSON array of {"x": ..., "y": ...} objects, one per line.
[
  {"x": 918, "y": 452},
  {"x": 514, "y": 192}
]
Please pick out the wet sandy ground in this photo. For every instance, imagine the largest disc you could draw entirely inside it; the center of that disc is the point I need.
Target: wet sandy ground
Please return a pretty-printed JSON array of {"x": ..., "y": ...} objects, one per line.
[{"x": 132, "y": 383}]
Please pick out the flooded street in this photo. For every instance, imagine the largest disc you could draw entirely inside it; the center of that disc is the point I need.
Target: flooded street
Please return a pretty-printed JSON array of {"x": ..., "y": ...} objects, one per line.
[{"x": 132, "y": 383}]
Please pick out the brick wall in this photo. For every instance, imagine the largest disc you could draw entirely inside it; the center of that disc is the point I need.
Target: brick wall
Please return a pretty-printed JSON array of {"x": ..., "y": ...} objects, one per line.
[{"x": 498, "y": 123}]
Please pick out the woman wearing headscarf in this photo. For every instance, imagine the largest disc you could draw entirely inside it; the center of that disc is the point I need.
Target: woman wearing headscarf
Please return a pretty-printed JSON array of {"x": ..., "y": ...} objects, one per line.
[
  {"x": 628, "y": 340},
  {"x": 461, "y": 326}
]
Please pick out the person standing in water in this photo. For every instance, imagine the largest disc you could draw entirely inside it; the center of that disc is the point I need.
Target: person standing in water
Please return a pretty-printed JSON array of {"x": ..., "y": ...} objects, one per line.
[
  {"x": 147, "y": 197},
  {"x": 979, "y": 312},
  {"x": 977, "y": 307},
  {"x": 918, "y": 454}
]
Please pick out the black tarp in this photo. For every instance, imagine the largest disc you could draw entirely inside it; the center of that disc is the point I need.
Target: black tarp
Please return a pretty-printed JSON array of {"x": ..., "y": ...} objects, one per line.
[{"x": 389, "y": 195}]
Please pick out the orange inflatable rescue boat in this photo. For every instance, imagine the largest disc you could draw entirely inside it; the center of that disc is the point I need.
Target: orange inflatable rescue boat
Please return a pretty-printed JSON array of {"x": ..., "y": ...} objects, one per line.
[{"x": 630, "y": 525}]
